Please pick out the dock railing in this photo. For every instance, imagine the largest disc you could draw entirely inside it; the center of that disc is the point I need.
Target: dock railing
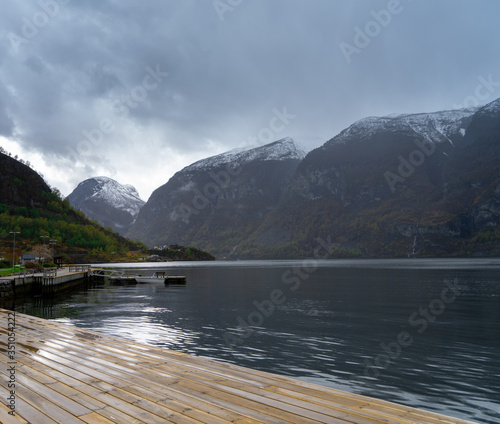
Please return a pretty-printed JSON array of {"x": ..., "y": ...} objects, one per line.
[
  {"x": 24, "y": 273},
  {"x": 79, "y": 268},
  {"x": 49, "y": 272},
  {"x": 101, "y": 272}
]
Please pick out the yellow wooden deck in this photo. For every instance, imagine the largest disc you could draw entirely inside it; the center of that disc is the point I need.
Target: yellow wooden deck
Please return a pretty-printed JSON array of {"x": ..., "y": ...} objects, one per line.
[{"x": 64, "y": 374}]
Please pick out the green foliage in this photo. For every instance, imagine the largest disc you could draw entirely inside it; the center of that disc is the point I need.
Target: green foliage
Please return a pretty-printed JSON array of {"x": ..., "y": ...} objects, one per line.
[
  {"x": 487, "y": 236},
  {"x": 23, "y": 211},
  {"x": 33, "y": 265},
  {"x": 181, "y": 253},
  {"x": 342, "y": 252},
  {"x": 71, "y": 230}
]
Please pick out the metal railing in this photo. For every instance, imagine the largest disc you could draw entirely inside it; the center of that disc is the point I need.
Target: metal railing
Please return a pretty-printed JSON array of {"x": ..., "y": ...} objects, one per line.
[
  {"x": 79, "y": 268},
  {"x": 100, "y": 272},
  {"x": 50, "y": 272},
  {"x": 24, "y": 273}
]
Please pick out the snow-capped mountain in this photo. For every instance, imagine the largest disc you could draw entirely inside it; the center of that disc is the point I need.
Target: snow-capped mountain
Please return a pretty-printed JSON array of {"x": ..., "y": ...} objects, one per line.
[
  {"x": 425, "y": 184},
  {"x": 385, "y": 184},
  {"x": 217, "y": 201},
  {"x": 284, "y": 149},
  {"x": 437, "y": 127},
  {"x": 108, "y": 202}
]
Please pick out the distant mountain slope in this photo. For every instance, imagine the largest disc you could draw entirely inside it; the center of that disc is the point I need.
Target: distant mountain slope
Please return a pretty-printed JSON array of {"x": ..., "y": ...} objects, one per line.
[
  {"x": 424, "y": 184},
  {"x": 20, "y": 185},
  {"x": 29, "y": 207},
  {"x": 216, "y": 203},
  {"x": 108, "y": 202}
]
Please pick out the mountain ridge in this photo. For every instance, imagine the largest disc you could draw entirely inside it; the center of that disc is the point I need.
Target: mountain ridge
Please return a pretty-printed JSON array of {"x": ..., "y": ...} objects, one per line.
[
  {"x": 29, "y": 207},
  {"x": 110, "y": 203},
  {"x": 440, "y": 184},
  {"x": 282, "y": 149},
  {"x": 422, "y": 184},
  {"x": 230, "y": 192}
]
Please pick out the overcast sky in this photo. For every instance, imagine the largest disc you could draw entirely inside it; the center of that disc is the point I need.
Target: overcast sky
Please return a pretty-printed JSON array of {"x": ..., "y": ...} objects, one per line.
[{"x": 136, "y": 90}]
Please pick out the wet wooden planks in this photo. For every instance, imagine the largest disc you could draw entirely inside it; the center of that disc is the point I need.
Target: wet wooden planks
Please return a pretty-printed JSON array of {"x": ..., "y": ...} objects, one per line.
[{"x": 64, "y": 374}]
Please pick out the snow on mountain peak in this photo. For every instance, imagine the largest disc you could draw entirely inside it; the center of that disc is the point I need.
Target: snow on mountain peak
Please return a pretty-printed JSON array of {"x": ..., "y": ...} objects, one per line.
[
  {"x": 493, "y": 107},
  {"x": 284, "y": 149},
  {"x": 436, "y": 127},
  {"x": 120, "y": 196}
]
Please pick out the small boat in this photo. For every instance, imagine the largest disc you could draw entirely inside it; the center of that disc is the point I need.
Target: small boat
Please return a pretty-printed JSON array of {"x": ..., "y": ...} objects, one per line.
[{"x": 157, "y": 277}]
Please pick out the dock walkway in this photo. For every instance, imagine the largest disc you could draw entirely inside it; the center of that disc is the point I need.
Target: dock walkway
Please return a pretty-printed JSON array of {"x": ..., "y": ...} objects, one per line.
[
  {"x": 51, "y": 280},
  {"x": 64, "y": 374}
]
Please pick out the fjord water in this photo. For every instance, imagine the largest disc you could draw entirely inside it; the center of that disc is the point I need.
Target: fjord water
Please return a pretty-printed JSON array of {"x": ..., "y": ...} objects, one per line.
[{"x": 422, "y": 332}]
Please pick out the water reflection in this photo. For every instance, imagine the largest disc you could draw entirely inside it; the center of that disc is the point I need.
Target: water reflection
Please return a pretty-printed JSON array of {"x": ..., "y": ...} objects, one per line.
[{"x": 324, "y": 332}]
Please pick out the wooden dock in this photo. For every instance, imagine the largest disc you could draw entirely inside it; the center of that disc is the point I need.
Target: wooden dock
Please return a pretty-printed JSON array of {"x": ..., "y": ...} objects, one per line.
[
  {"x": 64, "y": 374},
  {"x": 50, "y": 281},
  {"x": 126, "y": 276}
]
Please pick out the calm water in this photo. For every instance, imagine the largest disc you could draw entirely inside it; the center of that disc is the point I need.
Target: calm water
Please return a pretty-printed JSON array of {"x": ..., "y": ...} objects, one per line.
[{"x": 425, "y": 333}]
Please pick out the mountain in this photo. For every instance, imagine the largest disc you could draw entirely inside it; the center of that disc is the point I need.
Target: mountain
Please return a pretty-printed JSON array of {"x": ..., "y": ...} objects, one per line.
[
  {"x": 424, "y": 184},
  {"x": 108, "y": 202},
  {"x": 29, "y": 207},
  {"x": 216, "y": 203},
  {"x": 418, "y": 184},
  {"x": 20, "y": 186}
]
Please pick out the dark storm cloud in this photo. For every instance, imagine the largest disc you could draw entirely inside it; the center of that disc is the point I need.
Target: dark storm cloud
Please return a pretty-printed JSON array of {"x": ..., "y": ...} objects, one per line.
[{"x": 228, "y": 69}]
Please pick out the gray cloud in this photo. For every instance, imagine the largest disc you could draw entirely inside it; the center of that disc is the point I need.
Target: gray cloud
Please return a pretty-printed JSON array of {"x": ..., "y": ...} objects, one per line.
[{"x": 224, "y": 77}]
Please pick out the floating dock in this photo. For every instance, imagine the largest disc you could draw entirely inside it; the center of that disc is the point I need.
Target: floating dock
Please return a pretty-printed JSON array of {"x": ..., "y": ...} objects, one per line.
[
  {"x": 64, "y": 374},
  {"x": 126, "y": 276}
]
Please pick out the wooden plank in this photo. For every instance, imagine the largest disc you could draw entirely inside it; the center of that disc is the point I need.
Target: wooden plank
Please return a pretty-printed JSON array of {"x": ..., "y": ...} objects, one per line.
[
  {"x": 6, "y": 418},
  {"x": 103, "y": 372},
  {"x": 73, "y": 375},
  {"x": 95, "y": 418},
  {"x": 26, "y": 412},
  {"x": 119, "y": 417},
  {"x": 138, "y": 391},
  {"x": 35, "y": 408},
  {"x": 126, "y": 406}
]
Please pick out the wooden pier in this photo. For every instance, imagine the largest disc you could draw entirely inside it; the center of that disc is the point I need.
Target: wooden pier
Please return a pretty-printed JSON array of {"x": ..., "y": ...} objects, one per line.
[
  {"x": 50, "y": 281},
  {"x": 129, "y": 276},
  {"x": 55, "y": 280},
  {"x": 63, "y": 374}
]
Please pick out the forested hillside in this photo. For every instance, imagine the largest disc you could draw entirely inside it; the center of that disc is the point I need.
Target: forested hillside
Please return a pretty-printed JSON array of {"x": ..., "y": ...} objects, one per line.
[
  {"x": 45, "y": 222},
  {"x": 31, "y": 208}
]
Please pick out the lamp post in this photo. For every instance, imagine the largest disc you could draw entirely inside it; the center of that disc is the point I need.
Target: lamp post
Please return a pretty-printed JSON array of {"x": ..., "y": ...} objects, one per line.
[
  {"x": 14, "y": 250},
  {"x": 43, "y": 254},
  {"x": 52, "y": 243}
]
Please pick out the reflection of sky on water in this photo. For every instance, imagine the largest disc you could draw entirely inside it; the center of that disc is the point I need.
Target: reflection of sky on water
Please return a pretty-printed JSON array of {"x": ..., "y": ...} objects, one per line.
[
  {"x": 124, "y": 313},
  {"x": 327, "y": 329},
  {"x": 141, "y": 329},
  {"x": 144, "y": 330}
]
